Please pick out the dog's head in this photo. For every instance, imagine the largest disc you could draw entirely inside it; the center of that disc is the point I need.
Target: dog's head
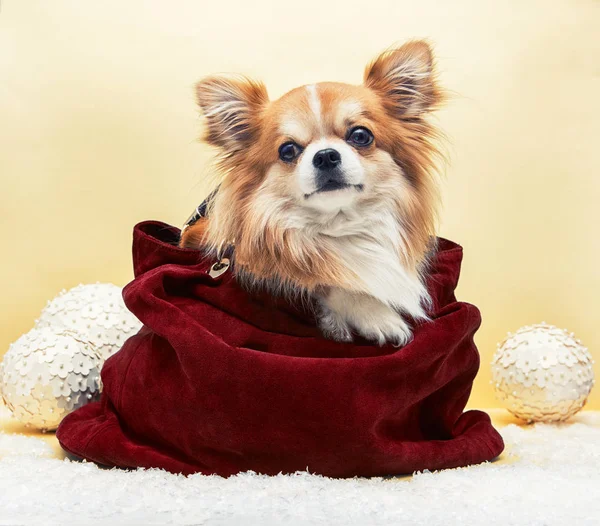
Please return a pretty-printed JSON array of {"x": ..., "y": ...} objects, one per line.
[{"x": 294, "y": 164}]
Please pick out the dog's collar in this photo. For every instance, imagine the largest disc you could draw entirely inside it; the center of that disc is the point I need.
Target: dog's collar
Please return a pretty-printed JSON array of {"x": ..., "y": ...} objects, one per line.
[{"x": 200, "y": 211}]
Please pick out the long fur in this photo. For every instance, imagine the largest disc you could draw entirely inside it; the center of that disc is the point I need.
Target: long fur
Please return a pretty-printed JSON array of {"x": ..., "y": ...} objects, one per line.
[{"x": 376, "y": 248}]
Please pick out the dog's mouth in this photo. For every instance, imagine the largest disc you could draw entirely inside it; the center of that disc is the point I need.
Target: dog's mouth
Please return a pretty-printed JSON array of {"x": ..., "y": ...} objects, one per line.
[{"x": 332, "y": 186}]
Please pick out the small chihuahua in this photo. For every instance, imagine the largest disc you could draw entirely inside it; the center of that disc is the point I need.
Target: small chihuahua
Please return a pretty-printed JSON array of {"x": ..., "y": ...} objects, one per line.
[{"x": 330, "y": 191}]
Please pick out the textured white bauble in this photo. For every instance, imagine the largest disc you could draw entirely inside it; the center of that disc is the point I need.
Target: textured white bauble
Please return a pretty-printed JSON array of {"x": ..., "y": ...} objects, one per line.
[
  {"x": 46, "y": 374},
  {"x": 542, "y": 373},
  {"x": 95, "y": 312}
]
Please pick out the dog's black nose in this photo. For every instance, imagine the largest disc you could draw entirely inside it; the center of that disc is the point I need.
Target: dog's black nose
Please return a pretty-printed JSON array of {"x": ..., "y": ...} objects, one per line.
[{"x": 327, "y": 159}]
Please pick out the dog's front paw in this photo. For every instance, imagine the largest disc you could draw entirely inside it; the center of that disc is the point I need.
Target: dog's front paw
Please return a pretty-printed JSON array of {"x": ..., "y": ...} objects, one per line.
[
  {"x": 333, "y": 326},
  {"x": 378, "y": 322},
  {"x": 388, "y": 329}
]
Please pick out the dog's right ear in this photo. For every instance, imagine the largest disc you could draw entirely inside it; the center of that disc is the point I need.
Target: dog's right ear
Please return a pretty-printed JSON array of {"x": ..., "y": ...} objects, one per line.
[{"x": 230, "y": 106}]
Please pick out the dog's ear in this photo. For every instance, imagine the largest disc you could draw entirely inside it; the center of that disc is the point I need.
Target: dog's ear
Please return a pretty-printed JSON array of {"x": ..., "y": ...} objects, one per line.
[
  {"x": 230, "y": 106},
  {"x": 405, "y": 80}
]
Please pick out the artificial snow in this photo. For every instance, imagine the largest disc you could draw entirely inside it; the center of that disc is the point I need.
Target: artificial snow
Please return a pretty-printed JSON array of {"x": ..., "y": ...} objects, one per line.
[{"x": 550, "y": 475}]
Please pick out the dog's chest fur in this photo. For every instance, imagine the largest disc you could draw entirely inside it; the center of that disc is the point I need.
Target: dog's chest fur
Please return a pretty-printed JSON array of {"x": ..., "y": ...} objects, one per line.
[{"x": 369, "y": 243}]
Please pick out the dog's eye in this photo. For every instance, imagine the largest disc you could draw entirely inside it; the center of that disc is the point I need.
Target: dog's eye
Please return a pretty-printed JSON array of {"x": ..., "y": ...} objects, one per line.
[
  {"x": 288, "y": 151},
  {"x": 360, "y": 136}
]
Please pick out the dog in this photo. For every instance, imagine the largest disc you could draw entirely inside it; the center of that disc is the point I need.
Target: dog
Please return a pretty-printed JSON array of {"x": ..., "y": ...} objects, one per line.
[{"x": 330, "y": 191}]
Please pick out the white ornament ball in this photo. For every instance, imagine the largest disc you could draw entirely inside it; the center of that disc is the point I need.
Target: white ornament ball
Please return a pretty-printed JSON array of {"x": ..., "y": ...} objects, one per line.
[
  {"x": 46, "y": 374},
  {"x": 96, "y": 313},
  {"x": 542, "y": 373}
]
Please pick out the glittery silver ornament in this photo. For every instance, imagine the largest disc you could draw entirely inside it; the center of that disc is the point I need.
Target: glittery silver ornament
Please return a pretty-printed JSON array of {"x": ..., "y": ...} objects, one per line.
[
  {"x": 46, "y": 374},
  {"x": 94, "y": 312},
  {"x": 542, "y": 373}
]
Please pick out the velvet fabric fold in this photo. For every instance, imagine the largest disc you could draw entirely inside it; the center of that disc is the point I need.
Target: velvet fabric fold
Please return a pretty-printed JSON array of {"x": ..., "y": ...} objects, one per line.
[{"x": 220, "y": 381}]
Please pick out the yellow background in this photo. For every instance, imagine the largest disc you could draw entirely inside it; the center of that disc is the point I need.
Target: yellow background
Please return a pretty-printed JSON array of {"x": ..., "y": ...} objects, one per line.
[{"x": 98, "y": 128}]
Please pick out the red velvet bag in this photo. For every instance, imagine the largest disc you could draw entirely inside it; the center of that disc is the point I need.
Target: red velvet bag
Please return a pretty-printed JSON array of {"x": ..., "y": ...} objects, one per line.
[{"x": 219, "y": 381}]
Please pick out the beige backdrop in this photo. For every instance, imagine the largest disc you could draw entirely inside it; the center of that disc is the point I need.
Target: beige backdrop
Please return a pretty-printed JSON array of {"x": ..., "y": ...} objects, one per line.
[{"x": 98, "y": 128}]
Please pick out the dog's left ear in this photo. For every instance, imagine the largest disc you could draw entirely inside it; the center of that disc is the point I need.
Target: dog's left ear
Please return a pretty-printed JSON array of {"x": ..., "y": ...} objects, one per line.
[{"x": 405, "y": 80}]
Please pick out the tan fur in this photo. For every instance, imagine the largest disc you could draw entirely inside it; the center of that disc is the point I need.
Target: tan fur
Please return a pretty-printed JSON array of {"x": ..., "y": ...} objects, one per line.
[
  {"x": 194, "y": 236},
  {"x": 399, "y": 90}
]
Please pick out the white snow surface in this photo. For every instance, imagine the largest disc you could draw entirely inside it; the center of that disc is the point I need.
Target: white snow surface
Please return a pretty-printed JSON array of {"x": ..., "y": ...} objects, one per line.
[{"x": 551, "y": 476}]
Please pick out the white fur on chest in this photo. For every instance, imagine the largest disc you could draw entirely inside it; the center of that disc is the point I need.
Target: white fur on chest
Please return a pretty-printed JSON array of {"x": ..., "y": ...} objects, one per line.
[
  {"x": 370, "y": 246},
  {"x": 367, "y": 240}
]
